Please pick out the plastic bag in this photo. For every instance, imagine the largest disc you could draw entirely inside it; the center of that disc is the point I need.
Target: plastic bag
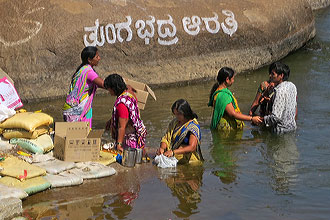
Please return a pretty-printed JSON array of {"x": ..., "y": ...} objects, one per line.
[
  {"x": 8, "y": 94},
  {"x": 165, "y": 162},
  {"x": 6, "y": 112}
]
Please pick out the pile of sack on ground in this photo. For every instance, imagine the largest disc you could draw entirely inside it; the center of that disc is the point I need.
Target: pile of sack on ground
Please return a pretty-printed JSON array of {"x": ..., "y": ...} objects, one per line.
[
  {"x": 30, "y": 130},
  {"x": 27, "y": 165}
]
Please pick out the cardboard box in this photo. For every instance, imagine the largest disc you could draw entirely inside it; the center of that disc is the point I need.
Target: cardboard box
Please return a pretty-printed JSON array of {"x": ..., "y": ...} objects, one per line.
[
  {"x": 142, "y": 92},
  {"x": 73, "y": 141}
]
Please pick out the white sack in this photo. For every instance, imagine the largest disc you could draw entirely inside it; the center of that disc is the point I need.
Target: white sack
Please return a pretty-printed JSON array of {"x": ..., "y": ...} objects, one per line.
[
  {"x": 38, "y": 158},
  {"x": 56, "y": 166},
  {"x": 6, "y": 192},
  {"x": 63, "y": 179},
  {"x": 91, "y": 170}
]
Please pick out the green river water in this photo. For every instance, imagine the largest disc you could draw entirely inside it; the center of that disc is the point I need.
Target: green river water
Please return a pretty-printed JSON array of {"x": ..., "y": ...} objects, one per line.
[{"x": 252, "y": 175}]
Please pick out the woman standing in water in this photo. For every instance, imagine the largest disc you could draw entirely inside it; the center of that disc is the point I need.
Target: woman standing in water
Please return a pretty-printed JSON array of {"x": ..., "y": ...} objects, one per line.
[
  {"x": 85, "y": 81},
  {"x": 183, "y": 135},
  {"x": 126, "y": 126},
  {"x": 226, "y": 113}
]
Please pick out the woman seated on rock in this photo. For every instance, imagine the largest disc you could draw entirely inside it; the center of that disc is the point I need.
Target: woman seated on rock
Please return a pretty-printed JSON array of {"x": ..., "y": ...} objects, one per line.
[
  {"x": 126, "y": 126},
  {"x": 226, "y": 113},
  {"x": 183, "y": 135}
]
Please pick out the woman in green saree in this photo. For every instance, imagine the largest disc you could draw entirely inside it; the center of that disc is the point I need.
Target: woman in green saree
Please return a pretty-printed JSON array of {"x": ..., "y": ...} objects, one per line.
[
  {"x": 183, "y": 135},
  {"x": 226, "y": 113}
]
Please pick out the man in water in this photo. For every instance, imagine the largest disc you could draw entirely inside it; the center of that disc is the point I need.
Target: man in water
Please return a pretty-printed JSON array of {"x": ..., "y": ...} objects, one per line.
[{"x": 284, "y": 101}]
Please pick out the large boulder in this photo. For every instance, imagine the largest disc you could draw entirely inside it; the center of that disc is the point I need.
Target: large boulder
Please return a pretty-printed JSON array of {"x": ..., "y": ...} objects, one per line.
[{"x": 153, "y": 41}]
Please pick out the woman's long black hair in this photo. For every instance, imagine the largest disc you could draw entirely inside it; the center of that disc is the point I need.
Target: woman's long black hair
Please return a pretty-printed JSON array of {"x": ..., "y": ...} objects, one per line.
[
  {"x": 223, "y": 73},
  {"x": 116, "y": 83},
  {"x": 87, "y": 53},
  {"x": 183, "y": 107}
]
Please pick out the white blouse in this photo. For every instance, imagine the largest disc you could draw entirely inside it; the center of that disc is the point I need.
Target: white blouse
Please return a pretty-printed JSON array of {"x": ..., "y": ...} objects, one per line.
[{"x": 282, "y": 118}]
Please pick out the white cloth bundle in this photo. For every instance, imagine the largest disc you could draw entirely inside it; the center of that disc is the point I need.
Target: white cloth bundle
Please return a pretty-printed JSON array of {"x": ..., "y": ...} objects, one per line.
[{"x": 165, "y": 162}]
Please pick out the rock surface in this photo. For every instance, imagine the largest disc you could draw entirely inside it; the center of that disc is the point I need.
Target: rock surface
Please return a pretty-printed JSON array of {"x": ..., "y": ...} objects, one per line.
[
  {"x": 318, "y": 4},
  {"x": 41, "y": 41}
]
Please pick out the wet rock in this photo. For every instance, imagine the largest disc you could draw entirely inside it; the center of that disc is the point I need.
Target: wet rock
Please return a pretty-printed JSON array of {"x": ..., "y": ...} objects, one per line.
[
  {"x": 313, "y": 45},
  {"x": 10, "y": 208},
  {"x": 318, "y": 4},
  {"x": 156, "y": 42}
]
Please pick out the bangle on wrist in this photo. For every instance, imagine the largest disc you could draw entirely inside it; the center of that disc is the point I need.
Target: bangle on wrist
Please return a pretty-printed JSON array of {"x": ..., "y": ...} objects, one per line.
[
  {"x": 251, "y": 118},
  {"x": 173, "y": 153}
]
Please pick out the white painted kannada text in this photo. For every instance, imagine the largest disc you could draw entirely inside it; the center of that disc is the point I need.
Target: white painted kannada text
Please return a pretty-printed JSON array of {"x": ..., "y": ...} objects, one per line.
[{"x": 165, "y": 29}]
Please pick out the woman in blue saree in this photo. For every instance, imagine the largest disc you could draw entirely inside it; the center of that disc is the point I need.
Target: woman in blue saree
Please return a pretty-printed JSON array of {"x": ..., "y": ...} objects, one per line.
[{"x": 183, "y": 136}]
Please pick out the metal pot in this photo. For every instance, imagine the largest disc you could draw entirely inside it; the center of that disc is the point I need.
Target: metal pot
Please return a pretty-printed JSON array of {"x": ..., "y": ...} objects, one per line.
[
  {"x": 139, "y": 155},
  {"x": 129, "y": 156}
]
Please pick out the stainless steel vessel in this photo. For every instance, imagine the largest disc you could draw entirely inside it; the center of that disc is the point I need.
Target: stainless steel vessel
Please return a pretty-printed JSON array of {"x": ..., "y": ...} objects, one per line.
[{"x": 129, "y": 157}]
